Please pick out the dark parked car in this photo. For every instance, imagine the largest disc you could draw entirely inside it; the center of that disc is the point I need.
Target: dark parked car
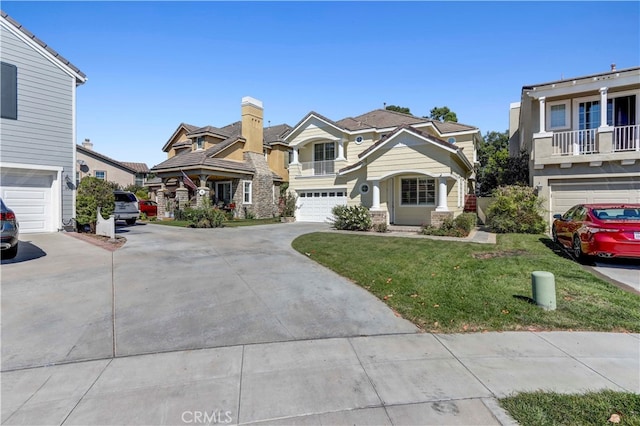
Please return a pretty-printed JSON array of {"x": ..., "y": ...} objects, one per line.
[
  {"x": 10, "y": 232},
  {"x": 150, "y": 208},
  {"x": 604, "y": 230}
]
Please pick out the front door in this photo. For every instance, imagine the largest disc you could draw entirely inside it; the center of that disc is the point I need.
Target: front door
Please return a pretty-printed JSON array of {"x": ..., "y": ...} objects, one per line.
[{"x": 223, "y": 192}]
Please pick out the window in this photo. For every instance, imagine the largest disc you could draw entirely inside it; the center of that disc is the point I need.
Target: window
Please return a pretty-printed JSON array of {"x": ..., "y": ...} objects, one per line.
[
  {"x": 588, "y": 115},
  {"x": 223, "y": 192},
  {"x": 101, "y": 174},
  {"x": 246, "y": 191},
  {"x": 139, "y": 179},
  {"x": 323, "y": 156},
  {"x": 8, "y": 91},
  {"x": 200, "y": 142},
  {"x": 558, "y": 115},
  {"x": 418, "y": 192},
  {"x": 364, "y": 188}
]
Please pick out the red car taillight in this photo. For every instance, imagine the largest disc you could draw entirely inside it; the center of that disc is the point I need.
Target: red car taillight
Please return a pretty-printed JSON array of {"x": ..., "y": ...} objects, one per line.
[
  {"x": 596, "y": 230},
  {"x": 7, "y": 216}
]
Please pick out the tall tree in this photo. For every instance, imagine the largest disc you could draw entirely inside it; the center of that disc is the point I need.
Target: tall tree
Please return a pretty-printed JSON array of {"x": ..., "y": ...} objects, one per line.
[
  {"x": 443, "y": 114},
  {"x": 397, "y": 108},
  {"x": 496, "y": 167}
]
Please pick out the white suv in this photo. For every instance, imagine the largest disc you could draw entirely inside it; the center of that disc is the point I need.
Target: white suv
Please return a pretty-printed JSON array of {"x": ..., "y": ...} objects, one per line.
[{"x": 126, "y": 207}]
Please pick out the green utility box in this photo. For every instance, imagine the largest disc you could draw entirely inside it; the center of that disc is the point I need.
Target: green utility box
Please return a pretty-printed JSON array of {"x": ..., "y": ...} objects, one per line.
[{"x": 543, "y": 287}]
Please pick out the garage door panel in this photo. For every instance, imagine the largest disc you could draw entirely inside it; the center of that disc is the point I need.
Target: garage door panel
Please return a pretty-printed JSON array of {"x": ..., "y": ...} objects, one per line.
[
  {"x": 316, "y": 205},
  {"x": 30, "y": 196},
  {"x": 565, "y": 196}
]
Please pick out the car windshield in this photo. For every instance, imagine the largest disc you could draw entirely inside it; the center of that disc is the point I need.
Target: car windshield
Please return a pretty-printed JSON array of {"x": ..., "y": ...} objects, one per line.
[
  {"x": 126, "y": 197},
  {"x": 617, "y": 213}
]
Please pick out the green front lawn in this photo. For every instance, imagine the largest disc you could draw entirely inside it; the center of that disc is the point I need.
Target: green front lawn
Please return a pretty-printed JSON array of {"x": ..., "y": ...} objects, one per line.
[
  {"x": 447, "y": 286},
  {"x": 594, "y": 408}
]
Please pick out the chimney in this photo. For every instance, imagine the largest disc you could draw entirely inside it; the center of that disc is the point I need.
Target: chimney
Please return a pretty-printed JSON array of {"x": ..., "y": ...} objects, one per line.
[
  {"x": 252, "y": 126},
  {"x": 613, "y": 67},
  {"x": 87, "y": 144}
]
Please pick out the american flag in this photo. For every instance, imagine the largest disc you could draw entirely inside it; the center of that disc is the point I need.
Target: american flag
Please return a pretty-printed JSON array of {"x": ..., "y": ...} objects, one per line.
[{"x": 187, "y": 181}]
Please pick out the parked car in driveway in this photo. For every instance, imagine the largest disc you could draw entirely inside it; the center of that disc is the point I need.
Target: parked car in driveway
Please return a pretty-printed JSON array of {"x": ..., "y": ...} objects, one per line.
[
  {"x": 604, "y": 230},
  {"x": 126, "y": 207},
  {"x": 10, "y": 232},
  {"x": 148, "y": 207}
]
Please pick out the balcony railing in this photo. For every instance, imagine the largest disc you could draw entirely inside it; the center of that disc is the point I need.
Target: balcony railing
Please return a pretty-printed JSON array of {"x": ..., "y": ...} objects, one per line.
[
  {"x": 576, "y": 142},
  {"x": 626, "y": 138},
  {"x": 319, "y": 168}
]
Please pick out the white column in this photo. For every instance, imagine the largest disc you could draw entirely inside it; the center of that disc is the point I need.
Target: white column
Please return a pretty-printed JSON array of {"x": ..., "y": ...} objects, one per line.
[
  {"x": 295, "y": 156},
  {"x": 375, "y": 204},
  {"x": 603, "y": 107},
  {"x": 442, "y": 195},
  {"x": 340, "y": 150},
  {"x": 543, "y": 113}
]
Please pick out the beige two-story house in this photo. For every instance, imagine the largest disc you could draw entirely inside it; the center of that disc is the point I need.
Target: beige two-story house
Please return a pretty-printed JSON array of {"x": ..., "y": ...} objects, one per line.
[
  {"x": 407, "y": 170},
  {"x": 583, "y": 138}
]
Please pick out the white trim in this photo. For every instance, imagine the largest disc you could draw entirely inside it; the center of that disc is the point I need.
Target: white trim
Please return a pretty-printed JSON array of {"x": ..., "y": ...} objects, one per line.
[
  {"x": 567, "y": 115},
  {"x": 244, "y": 182},
  {"x": 18, "y": 33},
  {"x": 411, "y": 172},
  {"x": 299, "y": 126}
]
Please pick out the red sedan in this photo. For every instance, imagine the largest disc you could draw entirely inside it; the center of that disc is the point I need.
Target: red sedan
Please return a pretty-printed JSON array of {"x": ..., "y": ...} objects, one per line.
[
  {"x": 150, "y": 208},
  {"x": 604, "y": 230}
]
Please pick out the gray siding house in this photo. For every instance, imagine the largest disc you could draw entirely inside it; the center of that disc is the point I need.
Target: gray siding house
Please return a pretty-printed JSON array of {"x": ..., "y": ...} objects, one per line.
[{"x": 37, "y": 130}]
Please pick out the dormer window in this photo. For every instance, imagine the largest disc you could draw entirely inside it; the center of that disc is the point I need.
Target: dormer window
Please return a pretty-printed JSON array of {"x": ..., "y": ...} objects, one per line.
[{"x": 200, "y": 142}]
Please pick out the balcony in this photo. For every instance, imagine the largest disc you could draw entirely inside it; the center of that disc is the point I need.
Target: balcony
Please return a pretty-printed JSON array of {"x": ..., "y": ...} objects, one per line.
[
  {"x": 591, "y": 145},
  {"x": 318, "y": 168}
]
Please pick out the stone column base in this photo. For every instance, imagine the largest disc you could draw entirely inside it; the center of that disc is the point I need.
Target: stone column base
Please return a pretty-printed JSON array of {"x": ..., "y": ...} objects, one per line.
[
  {"x": 438, "y": 217},
  {"x": 378, "y": 216}
]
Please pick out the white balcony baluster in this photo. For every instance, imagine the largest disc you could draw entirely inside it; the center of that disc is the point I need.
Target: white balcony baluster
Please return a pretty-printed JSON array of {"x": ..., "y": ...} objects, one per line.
[{"x": 626, "y": 138}]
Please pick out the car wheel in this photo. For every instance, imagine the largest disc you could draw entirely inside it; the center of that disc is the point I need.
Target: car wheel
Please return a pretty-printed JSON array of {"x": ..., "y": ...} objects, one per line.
[
  {"x": 10, "y": 253},
  {"x": 130, "y": 221},
  {"x": 577, "y": 250}
]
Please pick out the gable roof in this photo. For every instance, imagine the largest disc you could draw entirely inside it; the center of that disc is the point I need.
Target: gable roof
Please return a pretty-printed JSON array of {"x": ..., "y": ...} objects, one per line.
[
  {"x": 405, "y": 128},
  {"x": 386, "y": 119},
  {"x": 129, "y": 167},
  {"x": 182, "y": 126},
  {"x": 79, "y": 75}
]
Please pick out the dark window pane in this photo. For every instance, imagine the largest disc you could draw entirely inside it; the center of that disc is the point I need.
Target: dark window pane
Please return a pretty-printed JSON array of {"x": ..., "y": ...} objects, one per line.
[{"x": 9, "y": 91}]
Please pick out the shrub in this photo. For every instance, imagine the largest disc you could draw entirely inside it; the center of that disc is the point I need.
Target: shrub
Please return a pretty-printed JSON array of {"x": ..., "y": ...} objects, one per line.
[
  {"x": 287, "y": 204},
  {"x": 351, "y": 218},
  {"x": 380, "y": 227},
  {"x": 93, "y": 193},
  {"x": 516, "y": 209},
  {"x": 204, "y": 216},
  {"x": 461, "y": 226},
  {"x": 466, "y": 221}
]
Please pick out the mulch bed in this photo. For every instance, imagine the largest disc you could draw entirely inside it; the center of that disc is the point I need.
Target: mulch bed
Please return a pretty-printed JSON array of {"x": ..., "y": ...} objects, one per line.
[{"x": 100, "y": 240}]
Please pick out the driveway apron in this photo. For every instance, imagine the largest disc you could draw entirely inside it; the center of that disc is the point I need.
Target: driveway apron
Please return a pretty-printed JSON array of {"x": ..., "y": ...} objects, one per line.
[{"x": 197, "y": 288}]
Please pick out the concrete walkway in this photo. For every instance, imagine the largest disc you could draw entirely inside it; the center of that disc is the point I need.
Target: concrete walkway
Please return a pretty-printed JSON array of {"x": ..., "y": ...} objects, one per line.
[{"x": 405, "y": 379}]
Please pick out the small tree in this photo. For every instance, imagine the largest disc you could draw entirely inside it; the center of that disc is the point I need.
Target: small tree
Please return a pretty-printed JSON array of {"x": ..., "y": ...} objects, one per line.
[
  {"x": 443, "y": 114},
  {"x": 516, "y": 209},
  {"x": 397, "y": 108},
  {"x": 93, "y": 193}
]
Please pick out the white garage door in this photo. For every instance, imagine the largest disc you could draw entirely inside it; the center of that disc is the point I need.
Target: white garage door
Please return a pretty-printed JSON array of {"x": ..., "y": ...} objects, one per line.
[
  {"x": 566, "y": 195},
  {"x": 315, "y": 205},
  {"x": 29, "y": 195}
]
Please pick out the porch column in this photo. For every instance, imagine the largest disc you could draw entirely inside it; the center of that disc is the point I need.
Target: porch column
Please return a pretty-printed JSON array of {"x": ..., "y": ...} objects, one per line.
[
  {"x": 182, "y": 196},
  {"x": 375, "y": 204},
  {"x": 543, "y": 113},
  {"x": 340, "y": 150},
  {"x": 603, "y": 107},
  {"x": 161, "y": 200},
  {"x": 295, "y": 156},
  {"x": 442, "y": 195}
]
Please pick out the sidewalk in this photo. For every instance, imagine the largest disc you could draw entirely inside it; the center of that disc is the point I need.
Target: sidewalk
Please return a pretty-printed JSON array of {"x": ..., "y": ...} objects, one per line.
[{"x": 389, "y": 379}]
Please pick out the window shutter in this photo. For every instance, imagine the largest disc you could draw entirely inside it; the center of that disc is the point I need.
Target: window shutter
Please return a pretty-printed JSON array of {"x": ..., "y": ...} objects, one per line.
[{"x": 9, "y": 91}]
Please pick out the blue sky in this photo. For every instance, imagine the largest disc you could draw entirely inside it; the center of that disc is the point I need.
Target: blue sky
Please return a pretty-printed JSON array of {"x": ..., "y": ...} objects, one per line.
[{"x": 152, "y": 65}]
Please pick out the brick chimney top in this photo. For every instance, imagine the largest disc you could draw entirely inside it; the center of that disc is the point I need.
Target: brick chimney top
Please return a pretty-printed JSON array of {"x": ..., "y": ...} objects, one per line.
[
  {"x": 87, "y": 144},
  {"x": 613, "y": 67}
]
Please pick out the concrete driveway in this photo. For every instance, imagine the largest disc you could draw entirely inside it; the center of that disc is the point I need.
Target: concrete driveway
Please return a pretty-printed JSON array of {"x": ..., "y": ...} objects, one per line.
[{"x": 168, "y": 289}]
